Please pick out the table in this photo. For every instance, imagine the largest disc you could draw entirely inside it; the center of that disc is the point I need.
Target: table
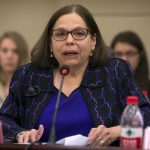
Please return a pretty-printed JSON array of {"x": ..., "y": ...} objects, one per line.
[{"x": 51, "y": 147}]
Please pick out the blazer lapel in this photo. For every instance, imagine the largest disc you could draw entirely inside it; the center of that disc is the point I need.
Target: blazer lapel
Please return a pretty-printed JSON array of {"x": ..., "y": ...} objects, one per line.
[
  {"x": 94, "y": 78},
  {"x": 37, "y": 94},
  {"x": 92, "y": 88}
]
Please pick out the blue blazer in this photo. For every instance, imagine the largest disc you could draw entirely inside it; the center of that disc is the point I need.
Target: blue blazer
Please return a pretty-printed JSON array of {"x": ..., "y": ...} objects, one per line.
[{"x": 104, "y": 90}]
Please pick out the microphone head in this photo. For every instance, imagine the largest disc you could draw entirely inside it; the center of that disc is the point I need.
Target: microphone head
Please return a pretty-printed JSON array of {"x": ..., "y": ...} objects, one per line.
[{"x": 64, "y": 70}]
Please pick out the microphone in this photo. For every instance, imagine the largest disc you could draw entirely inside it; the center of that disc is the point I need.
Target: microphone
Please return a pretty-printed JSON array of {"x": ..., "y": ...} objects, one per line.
[{"x": 64, "y": 70}]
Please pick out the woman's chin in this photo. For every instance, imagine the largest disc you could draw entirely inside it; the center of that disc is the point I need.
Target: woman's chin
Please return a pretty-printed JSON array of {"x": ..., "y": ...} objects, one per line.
[
  {"x": 74, "y": 64},
  {"x": 70, "y": 64}
]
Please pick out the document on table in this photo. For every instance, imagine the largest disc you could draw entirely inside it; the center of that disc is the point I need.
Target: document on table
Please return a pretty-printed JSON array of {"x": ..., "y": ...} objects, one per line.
[{"x": 76, "y": 140}]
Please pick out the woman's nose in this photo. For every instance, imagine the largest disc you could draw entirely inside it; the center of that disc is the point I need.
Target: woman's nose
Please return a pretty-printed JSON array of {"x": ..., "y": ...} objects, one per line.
[
  {"x": 70, "y": 38},
  {"x": 124, "y": 57},
  {"x": 9, "y": 54}
]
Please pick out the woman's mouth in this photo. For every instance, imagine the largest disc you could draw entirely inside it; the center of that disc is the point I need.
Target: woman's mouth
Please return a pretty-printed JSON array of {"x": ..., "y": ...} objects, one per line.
[{"x": 70, "y": 53}]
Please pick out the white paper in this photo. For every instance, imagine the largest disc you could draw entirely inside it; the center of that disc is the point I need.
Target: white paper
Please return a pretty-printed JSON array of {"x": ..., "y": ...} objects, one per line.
[
  {"x": 22, "y": 143},
  {"x": 146, "y": 143},
  {"x": 76, "y": 140}
]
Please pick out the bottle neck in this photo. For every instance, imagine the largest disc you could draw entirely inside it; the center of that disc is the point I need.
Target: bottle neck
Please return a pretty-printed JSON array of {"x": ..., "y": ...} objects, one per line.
[{"x": 132, "y": 104}]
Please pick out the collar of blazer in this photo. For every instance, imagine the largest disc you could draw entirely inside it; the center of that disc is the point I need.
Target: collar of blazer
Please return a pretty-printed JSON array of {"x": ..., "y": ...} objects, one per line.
[
  {"x": 42, "y": 81},
  {"x": 94, "y": 78}
]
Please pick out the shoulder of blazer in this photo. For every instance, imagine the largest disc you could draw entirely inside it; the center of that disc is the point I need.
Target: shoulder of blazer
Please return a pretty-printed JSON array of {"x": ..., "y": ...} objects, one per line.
[
  {"x": 29, "y": 76},
  {"x": 113, "y": 61},
  {"x": 22, "y": 71},
  {"x": 30, "y": 69},
  {"x": 96, "y": 77},
  {"x": 119, "y": 67}
]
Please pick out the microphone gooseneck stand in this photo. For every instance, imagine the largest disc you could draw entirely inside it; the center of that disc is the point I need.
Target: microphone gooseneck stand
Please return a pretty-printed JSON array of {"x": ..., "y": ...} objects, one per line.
[{"x": 64, "y": 70}]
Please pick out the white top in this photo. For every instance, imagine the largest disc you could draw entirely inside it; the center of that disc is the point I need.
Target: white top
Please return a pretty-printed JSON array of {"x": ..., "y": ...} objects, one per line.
[{"x": 2, "y": 96}]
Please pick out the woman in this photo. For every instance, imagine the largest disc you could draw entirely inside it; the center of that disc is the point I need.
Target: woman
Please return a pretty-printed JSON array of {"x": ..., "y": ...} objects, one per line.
[
  {"x": 13, "y": 53},
  {"x": 128, "y": 46},
  {"x": 93, "y": 94}
]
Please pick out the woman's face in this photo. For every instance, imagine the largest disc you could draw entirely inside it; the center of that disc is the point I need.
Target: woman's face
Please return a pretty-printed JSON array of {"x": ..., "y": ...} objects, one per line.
[
  {"x": 127, "y": 52},
  {"x": 9, "y": 56},
  {"x": 70, "y": 51}
]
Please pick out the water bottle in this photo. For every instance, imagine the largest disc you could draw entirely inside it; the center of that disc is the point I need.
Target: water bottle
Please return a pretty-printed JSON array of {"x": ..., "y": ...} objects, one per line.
[
  {"x": 145, "y": 93},
  {"x": 131, "y": 125},
  {"x": 1, "y": 134}
]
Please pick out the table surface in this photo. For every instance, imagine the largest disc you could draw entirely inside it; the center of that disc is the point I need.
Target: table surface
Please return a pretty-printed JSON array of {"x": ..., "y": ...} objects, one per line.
[{"x": 52, "y": 147}]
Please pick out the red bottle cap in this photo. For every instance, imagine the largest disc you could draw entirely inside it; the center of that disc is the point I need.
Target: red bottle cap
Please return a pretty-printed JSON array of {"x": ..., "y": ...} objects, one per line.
[
  {"x": 145, "y": 93},
  {"x": 132, "y": 100}
]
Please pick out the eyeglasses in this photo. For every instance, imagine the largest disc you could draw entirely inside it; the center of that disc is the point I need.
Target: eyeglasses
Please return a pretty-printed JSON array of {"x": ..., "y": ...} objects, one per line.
[
  {"x": 127, "y": 54},
  {"x": 77, "y": 34}
]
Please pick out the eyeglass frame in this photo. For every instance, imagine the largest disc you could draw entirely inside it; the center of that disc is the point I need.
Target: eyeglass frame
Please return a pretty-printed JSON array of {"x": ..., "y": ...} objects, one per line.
[
  {"x": 127, "y": 54},
  {"x": 69, "y": 32}
]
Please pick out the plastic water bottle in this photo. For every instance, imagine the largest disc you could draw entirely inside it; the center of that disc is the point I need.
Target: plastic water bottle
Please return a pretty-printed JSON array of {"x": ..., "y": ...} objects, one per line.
[
  {"x": 131, "y": 125},
  {"x": 1, "y": 134},
  {"x": 145, "y": 93}
]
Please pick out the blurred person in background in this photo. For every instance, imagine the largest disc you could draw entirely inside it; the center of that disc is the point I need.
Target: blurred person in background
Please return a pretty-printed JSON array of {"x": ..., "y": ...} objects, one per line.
[
  {"x": 13, "y": 53},
  {"x": 128, "y": 46}
]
